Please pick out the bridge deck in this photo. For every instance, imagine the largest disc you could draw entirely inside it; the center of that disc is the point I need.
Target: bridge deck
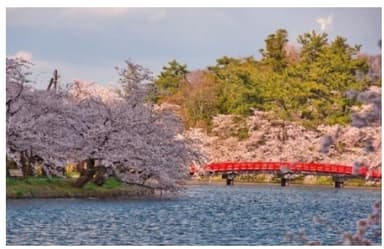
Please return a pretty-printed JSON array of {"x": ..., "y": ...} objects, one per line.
[{"x": 298, "y": 168}]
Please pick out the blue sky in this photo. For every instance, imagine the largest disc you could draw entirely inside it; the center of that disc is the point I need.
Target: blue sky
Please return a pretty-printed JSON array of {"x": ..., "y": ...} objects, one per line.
[{"x": 87, "y": 43}]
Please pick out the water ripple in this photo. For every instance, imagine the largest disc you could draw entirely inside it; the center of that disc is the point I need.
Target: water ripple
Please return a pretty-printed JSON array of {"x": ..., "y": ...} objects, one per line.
[{"x": 203, "y": 215}]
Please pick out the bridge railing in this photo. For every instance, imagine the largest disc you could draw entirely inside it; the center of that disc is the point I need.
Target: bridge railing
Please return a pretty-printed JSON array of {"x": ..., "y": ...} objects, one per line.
[{"x": 297, "y": 167}]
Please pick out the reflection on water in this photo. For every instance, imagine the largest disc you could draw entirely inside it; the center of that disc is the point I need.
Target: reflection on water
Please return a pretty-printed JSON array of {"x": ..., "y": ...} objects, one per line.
[{"x": 202, "y": 215}]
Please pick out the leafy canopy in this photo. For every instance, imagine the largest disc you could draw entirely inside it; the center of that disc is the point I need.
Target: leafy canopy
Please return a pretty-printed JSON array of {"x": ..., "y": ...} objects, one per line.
[{"x": 308, "y": 84}]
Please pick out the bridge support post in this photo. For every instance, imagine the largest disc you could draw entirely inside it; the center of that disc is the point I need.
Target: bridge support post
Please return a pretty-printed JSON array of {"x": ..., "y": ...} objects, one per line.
[
  {"x": 283, "y": 182},
  {"x": 230, "y": 178},
  {"x": 339, "y": 181},
  {"x": 284, "y": 179},
  {"x": 230, "y": 181}
]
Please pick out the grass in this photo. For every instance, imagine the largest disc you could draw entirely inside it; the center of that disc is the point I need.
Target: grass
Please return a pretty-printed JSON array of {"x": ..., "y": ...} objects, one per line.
[
  {"x": 112, "y": 183},
  {"x": 43, "y": 187}
]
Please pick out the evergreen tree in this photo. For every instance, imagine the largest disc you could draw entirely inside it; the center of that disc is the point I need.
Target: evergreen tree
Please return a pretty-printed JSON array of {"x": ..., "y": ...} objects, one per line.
[
  {"x": 171, "y": 79},
  {"x": 327, "y": 71},
  {"x": 238, "y": 85},
  {"x": 308, "y": 85},
  {"x": 313, "y": 45},
  {"x": 274, "y": 53}
]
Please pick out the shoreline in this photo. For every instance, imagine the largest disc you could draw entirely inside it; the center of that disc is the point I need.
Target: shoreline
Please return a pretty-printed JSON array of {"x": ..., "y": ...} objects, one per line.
[
  {"x": 120, "y": 194},
  {"x": 35, "y": 188},
  {"x": 59, "y": 188},
  {"x": 240, "y": 183}
]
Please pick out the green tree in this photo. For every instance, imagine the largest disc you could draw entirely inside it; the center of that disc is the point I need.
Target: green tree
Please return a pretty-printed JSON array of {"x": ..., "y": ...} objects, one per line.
[
  {"x": 308, "y": 85},
  {"x": 274, "y": 53},
  {"x": 238, "y": 85},
  {"x": 327, "y": 71},
  {"x": 312, "y": 46},
  {"x": 171, "y": 79}
]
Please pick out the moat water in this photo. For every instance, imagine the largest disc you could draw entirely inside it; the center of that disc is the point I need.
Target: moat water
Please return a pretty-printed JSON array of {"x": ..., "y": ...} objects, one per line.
[{"x": 201, "y": 215}]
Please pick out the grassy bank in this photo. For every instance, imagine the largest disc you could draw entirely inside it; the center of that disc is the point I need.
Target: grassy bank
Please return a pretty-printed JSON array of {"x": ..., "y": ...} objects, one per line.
[{"x": 43, "y": 187}]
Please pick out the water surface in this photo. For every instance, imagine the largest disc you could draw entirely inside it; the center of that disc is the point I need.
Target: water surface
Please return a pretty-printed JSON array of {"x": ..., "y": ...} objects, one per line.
[{"x": 202, "y": 215}]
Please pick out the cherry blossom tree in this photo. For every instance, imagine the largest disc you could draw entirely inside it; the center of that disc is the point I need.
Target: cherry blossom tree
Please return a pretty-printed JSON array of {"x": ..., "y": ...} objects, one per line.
[
  {"x": 132, "y": 77},
  {"x": 124, "y": 137},
  {"x": 16, "y": 77},
  {"x": 136, "y": 143},
  {"x": 367, "y": 231}
]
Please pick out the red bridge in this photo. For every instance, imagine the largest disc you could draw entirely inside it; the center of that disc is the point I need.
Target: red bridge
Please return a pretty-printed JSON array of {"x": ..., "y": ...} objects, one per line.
[{"x": 285, "y": 169}]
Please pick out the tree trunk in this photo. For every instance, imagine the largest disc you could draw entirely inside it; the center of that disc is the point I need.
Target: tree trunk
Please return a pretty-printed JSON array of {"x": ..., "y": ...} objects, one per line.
[
  {"x": 27, "y": 166},
  {"x": 86, "y": 173},
  {"x": 99, "y": 177},
  {"x": 10, "y": 164}
]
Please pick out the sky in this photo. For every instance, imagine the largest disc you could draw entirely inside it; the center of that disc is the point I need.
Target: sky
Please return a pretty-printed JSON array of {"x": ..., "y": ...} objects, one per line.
[{"x": 87, "y": 43}]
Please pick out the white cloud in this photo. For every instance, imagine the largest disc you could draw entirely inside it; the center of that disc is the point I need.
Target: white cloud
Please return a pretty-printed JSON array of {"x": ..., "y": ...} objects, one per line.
[
  {"x": 23, "y": 55},
  {"x": 324, "y": 22}
]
